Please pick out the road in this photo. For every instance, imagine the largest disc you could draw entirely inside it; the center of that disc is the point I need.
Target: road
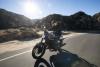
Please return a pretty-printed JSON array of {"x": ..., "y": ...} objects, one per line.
[{"x": 84, "y": 45}]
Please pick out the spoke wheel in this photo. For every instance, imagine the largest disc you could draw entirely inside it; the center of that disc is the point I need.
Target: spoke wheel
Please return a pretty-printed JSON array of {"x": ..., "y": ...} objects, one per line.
[{"x": 38, "y": 51}]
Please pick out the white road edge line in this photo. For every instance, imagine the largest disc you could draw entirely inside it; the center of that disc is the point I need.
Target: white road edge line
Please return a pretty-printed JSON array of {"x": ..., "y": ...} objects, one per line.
[
  {"x": 25, "y": 51},
  {"x": 14, "y": 55}
]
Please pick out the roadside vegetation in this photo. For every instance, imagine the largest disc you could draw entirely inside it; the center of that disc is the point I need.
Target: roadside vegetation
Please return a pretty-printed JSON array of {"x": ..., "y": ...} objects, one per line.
[{"x": 21, "y": 34}]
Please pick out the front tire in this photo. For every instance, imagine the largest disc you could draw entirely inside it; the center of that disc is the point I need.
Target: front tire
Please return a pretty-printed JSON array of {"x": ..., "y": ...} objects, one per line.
[
  {"x": 41, "y": 63},
  {"x": 35, "y": 52}
]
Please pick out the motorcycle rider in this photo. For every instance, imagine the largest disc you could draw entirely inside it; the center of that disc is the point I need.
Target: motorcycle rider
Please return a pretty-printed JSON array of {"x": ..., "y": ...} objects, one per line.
[
  {"x": 57, "y": 33},
  {"x": 52, "y": 38},
  {"x": 48, "y": 38}
]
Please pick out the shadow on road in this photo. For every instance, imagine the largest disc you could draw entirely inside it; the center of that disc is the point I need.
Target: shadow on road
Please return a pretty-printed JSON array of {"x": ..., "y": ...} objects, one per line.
[{"x": 63, "y": 59}]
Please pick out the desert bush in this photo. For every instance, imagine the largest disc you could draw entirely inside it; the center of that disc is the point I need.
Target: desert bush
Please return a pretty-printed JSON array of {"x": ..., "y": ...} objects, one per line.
[{"x": 18, "y": 34}]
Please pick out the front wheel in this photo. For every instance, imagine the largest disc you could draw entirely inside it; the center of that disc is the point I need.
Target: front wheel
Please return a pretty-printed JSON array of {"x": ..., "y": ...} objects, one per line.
[
  {"x": 38, "y": 51},
  {"x": 41, "y": 63}
]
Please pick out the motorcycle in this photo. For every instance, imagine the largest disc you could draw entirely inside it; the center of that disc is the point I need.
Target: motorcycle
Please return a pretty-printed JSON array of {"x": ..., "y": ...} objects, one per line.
[
  {"x": 40, "y": 48},
  {"x": 63, "y": 59}
]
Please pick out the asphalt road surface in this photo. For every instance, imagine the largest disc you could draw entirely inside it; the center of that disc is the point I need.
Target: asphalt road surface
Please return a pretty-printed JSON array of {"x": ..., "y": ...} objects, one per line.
[{"x": 84, "y": 45}]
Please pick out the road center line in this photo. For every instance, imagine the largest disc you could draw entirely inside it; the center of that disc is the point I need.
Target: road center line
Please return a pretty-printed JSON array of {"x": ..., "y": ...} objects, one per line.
[{"x": 14, "y": 55}]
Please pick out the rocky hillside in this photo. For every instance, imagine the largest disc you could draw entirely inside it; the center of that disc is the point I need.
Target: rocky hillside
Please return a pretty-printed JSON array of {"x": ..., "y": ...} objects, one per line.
[
  {"x": 96, "y": 18},
  {"x": 77, "y": 21},
  {"x": 12, "y": 20},
  {"x": 16, "y": 27}
]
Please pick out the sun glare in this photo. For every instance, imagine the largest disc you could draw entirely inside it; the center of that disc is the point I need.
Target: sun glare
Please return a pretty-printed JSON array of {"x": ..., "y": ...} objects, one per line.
[{"x": 31, "y": 9}]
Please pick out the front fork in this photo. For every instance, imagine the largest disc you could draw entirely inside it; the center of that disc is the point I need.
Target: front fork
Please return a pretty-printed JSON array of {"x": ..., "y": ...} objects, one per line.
[{"x": 41, "y": 47}]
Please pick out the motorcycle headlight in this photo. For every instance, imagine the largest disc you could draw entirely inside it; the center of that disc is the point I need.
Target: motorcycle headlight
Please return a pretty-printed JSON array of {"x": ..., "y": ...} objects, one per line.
[
  {"x": 58, "y": 41},
  {"x": 43, "y": 41}
]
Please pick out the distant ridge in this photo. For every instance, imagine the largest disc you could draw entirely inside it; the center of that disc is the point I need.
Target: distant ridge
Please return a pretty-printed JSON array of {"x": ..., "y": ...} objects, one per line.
[
  {"x": 77, "y": 21},
  {"x": 12, "y": 20}
]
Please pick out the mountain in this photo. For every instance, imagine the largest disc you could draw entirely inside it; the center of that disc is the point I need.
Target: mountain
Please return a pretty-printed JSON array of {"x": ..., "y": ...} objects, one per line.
[
  {"x": 82, "y": 21},
  {"x": 12, "y": 20},
  {"x": 52, "y": 21},
  {"x": 97, "y": 19},
  {"x": 77, "y": 21}
]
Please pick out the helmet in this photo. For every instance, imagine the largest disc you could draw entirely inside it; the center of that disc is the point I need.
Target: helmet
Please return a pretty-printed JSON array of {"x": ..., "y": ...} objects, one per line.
[{"x": 58, "y": 33}]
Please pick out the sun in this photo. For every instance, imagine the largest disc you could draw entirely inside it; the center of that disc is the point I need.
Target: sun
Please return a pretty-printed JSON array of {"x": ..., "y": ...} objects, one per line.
[{"x": 31, "y": 9}]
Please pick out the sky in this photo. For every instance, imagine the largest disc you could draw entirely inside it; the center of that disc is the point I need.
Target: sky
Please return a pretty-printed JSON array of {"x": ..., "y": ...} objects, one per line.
[{"x": 36, "y": 9}]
